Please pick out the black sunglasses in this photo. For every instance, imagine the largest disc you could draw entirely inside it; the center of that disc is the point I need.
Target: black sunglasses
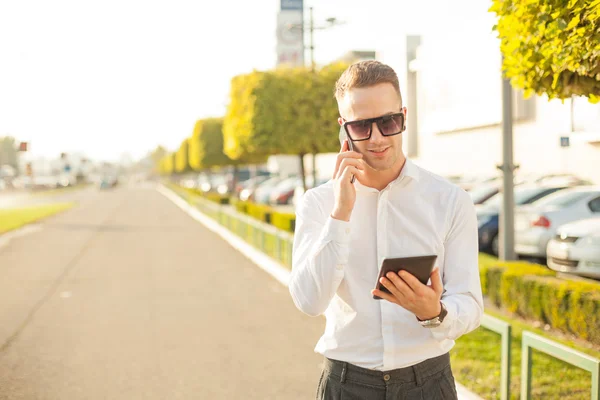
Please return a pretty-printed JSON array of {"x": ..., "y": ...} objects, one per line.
[{"x": 389, "y": 125}]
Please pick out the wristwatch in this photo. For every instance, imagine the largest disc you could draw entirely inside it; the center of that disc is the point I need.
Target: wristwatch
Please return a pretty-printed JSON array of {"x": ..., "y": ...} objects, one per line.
[{"x": 437, "y": 321}]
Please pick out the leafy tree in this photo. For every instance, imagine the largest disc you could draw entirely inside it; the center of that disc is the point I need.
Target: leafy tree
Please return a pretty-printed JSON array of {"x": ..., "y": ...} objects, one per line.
[
  {"x": 182, "y": 164},
  {"x": 551, "y": 46},
  {"x": 206, "y": 145}
]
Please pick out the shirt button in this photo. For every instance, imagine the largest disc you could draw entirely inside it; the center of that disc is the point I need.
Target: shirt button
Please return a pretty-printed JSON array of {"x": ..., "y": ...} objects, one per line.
[
  {"x": 347, "y": 230},
  {"x": 339, "y": 266},
  {"x": 386, "y": 378}
]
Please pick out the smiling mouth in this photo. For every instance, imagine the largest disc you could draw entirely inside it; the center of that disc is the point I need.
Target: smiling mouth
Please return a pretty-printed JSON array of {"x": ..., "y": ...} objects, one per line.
[{"x": 379, "y": 152}]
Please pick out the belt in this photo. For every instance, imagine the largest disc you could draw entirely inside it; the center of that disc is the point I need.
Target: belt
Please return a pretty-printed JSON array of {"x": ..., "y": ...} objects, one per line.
[{"x": 415, "y": 373}]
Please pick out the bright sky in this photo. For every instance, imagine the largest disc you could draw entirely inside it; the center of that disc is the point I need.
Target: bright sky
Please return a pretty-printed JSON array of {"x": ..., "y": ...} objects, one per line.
[{"x": 113, "y": 76}]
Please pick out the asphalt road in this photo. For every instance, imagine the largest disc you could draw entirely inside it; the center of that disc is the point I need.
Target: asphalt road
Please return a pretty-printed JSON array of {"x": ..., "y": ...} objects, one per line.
[{"x": 127, "y": 297}]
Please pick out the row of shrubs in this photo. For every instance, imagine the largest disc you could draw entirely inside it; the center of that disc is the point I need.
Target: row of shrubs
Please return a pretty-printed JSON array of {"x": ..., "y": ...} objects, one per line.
[
  {"x": 533, "y": 291},
  {"x": 265, "y": 213},
  {"x": 529, "y": 290},
  {"x": 262, "y": 212}
]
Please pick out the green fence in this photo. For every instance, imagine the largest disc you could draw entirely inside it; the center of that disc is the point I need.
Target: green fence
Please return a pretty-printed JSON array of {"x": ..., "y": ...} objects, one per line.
[
  {"x": 274, "y": 242},
  {"x": 505, "y": 331},
  {"x": 277, "y": 244},
  {"x": 532, "y": 341}
]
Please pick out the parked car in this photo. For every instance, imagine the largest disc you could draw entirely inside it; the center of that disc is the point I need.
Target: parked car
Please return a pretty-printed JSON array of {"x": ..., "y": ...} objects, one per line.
[
  {"x": 576, "y": 248},
  {"x": 488, "y": 213},
  {"x": 537, "y": 223},
  {"x": 481, "y": 193},
  {"x": 284, "y": 191},
  {"x": 262, "y": 192},
  {"x": 246, "y": 189}
]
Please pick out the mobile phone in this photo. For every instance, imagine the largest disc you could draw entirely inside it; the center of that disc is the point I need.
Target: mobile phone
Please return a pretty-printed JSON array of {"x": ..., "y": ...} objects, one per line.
[
  {"x": 344, "y": 136},
  {"x": 420, "y": 267}
]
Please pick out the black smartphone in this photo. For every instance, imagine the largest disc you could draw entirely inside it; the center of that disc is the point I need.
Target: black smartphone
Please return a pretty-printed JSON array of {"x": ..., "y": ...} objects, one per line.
[
  {"x": 420, "y": 267},
  {"x": 344, "y": 136}
]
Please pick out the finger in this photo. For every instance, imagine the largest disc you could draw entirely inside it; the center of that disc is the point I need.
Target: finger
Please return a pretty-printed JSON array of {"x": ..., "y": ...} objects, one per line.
[
  {"x": 347, "y": 173},
  {"x": 390, "y": 285},
  {"x": 344, "y": 148},
  {"x": 404, "y": 288},
  {"x": 411, "y": 281},
  {"x": 384, "y": 296},
  {"x": 436, "y": 281},
  {"x": 351, "y": 161}
]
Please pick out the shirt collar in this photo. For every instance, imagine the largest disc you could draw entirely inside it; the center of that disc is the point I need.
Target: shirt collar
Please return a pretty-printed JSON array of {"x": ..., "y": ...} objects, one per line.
[{"x": 409, "y": 170}]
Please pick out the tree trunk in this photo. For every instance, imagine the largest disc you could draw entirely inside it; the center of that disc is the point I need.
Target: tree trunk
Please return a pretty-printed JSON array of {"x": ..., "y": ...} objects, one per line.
[
  {"x": 302, "y": 172},
  {"x": 235, "y": 178}
]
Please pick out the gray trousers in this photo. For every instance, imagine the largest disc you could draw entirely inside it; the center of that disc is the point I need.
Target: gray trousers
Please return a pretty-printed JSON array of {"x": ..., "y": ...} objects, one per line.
[{"x": 429, "y": 380}]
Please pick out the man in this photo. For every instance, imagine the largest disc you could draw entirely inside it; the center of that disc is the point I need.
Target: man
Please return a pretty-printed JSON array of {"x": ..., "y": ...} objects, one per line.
[{"x": 397, "y": 347}]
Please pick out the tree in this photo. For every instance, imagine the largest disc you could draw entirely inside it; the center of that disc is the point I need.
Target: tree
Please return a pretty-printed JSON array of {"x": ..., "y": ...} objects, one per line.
[
  {"x": 286, "y": 111},
  {"x": 551, "y": 46},
  {"x": 156, "y": 156},
  {"x": 167, "y": 164},
  {"x": 8, "y": 152},
  {"x": 206, "y": 145},
  {"x": 182, "y": 164}
]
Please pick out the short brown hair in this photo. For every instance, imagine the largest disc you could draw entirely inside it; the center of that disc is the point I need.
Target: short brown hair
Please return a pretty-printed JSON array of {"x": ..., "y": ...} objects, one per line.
[{"x": 365, "y": 74}]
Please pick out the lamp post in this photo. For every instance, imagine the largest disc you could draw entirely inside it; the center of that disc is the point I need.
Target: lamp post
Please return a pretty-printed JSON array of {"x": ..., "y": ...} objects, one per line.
[{"x": 330, "y": 23}]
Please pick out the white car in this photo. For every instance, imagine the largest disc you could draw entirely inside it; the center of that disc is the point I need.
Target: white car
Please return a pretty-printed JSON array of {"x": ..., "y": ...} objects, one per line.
[
  {"x": 537, "y": 223},
  {"x": 576, "y": 248}
]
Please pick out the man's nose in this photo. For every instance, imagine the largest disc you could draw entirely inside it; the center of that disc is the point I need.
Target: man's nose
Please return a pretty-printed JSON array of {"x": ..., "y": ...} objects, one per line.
[{"x": 375, "y": 133}]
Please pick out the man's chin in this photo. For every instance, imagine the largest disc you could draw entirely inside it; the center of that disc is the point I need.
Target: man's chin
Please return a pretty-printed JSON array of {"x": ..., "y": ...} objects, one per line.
[{"x": 379, "y": 165}]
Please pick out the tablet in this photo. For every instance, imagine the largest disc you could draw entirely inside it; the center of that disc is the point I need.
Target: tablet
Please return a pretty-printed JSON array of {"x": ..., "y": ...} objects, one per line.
[{"x": 419, "y": 266}]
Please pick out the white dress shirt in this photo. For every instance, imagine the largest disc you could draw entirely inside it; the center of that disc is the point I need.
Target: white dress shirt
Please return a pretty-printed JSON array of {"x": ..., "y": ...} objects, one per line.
[{"x": 335, "y": 266}]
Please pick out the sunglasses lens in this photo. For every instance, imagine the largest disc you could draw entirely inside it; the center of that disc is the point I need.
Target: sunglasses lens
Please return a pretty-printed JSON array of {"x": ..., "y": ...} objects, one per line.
[
  {"x": 391, "y": 125},
  {"x": 359, "y": 130}
]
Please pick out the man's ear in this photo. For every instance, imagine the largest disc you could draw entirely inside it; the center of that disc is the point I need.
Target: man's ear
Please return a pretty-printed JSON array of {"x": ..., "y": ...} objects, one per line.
[{"x": 341, "y": 121}]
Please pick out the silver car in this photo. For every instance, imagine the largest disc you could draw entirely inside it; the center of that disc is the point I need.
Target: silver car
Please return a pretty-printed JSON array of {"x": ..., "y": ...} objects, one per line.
[
  {"x": 537, "y": 223},
  {"x": 576, "y": 248}
]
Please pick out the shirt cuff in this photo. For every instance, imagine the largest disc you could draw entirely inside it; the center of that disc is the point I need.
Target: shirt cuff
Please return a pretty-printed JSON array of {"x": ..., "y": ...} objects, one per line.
[
  {"x": 442, "y": 332},
  {"x": 337, "y": 230}
]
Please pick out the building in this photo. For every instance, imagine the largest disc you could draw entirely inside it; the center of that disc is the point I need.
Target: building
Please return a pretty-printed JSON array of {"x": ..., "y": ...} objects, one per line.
[{"x": 451, "y": 82}]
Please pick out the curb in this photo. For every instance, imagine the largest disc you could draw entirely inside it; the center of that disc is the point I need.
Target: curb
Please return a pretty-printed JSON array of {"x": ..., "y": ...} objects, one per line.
[
  {"x": 6, "y": 237},
  {"x": 272, "y": 267}
]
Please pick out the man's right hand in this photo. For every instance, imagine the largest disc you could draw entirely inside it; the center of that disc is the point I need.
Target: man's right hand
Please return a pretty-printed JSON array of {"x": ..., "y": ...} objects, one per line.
[{"x": 348, "y": 163}]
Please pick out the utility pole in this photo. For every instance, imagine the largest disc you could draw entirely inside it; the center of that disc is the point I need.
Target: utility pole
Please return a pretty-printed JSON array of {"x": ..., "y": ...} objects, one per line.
[
  {"x": 506, "y": 250},
  {"x": 312, "y": 43},
  {"x": 331, "y": 22}
]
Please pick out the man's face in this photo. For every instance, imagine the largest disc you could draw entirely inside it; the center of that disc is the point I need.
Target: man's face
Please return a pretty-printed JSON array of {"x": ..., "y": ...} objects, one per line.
[{"x": 379, "y": 152}]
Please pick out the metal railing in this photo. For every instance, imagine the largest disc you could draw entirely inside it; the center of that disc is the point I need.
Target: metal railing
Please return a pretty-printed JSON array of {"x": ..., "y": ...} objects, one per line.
[
  {"x": 274, "y": 242},
  {"x": 277, "y": 243},
  {"x": 532, "y": 341},
  {"x": 505, "y": 331}
]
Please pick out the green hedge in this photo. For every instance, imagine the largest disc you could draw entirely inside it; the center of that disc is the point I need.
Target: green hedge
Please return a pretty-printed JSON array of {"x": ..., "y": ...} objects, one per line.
[
  {"x": 533, "y": 291},
  {"x": 265, "y": 213},
  {"x": 216, "y": 197}
]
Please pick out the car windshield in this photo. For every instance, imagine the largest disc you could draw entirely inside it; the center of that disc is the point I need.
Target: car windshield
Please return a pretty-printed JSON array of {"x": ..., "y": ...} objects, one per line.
[
  {"x": 522, "y": 196},
  {"x": 560, "y": 200},
  {"x": 479, "y": 193}
]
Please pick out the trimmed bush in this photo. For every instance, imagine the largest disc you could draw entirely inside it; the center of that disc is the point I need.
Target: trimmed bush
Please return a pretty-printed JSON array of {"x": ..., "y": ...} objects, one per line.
[
  {"x": 260, "y": 211},
  {"x": 284, "y": 221},
  {"x": 533, "y": 291}
]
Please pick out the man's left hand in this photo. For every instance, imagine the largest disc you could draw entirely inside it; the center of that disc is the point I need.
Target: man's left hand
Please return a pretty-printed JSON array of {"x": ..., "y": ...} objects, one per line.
[{"x": 409, "y": 293}]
